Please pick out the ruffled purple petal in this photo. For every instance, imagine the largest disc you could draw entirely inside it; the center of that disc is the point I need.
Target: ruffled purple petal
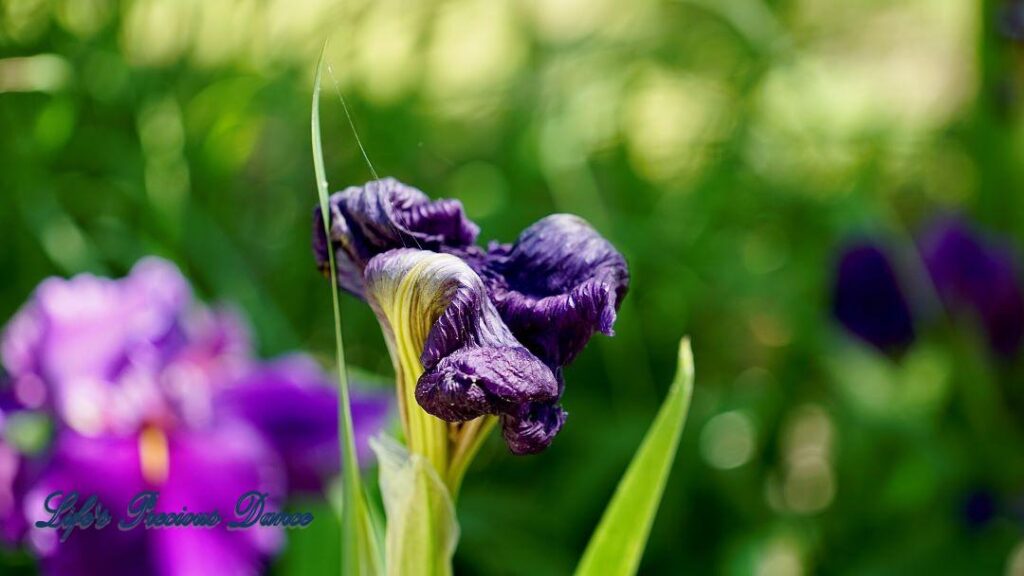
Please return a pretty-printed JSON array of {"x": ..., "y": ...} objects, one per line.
[
  {"x": 473, "y": 365},
  {"x": 292, "y": 404},
  {"x": 380, "y": 216},
  {"x": 70, "y": 346},
  {"x": 975, "y": 275},
  {"x": 868, "y": 301},
  {"x": 531, "y": 429},
  {"x": 558, "y": 284}
]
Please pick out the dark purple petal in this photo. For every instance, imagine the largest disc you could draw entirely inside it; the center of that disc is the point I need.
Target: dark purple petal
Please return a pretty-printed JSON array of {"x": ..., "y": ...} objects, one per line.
[
  {"x": 383, "y": 215},
  {"x": 868, "y": 300},
  {"x": 475, "y": 381},
  {"x": 473, "y": 365},
  {"x": 558, "y": 284},
  {"x": 532, "y": 427},
  {"x": 292, "y": 404},
  {"x": 973, "y": 274}
]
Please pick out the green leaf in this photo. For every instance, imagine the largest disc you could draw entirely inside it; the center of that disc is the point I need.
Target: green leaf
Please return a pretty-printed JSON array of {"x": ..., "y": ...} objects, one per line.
[
  {"x": 618, "y": 543},
  {"x": 422, "y": 527},
  {"x": 359, "y": 549}
]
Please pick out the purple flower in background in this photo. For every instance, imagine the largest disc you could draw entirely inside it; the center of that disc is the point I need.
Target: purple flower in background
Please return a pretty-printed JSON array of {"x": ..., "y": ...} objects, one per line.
[
  {"x": 868, "y": 301},
  {"x": 1011, "y": 20},
  {"x": 148, "y": 390},
  {"x": 972, "y": 275},
  {"x": 976, "y": 276},
  {"x": 503, "y": 322}
]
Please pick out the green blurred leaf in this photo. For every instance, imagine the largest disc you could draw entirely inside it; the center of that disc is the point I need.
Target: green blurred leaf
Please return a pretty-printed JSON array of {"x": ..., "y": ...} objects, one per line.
[
  {"x": 618, "y": 544},
  {"x": 422, "y": 529}
]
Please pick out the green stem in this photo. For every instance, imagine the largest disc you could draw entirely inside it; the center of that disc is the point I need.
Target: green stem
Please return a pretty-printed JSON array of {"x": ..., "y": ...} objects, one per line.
[{"x": 471, "y": 437}]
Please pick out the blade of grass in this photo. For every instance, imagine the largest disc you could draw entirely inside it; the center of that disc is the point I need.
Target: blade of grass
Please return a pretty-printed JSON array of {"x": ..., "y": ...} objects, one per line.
[
  {"x": 618, "y": 543},
  {"x": 358, "y": 550}
]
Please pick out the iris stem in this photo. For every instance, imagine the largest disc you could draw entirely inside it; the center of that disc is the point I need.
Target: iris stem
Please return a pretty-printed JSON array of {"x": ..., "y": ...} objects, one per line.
[{"x": 470, "y": 438}]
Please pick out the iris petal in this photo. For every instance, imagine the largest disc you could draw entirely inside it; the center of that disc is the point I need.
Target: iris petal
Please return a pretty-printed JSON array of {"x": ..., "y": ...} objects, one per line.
[
  {"x": 474, "y": 381},
  {"x": 383, "y": 215},
  {"x": 291, "y": 403},
  {"x": 560, "y": 282},
  {"x": 532, "y": 427}
]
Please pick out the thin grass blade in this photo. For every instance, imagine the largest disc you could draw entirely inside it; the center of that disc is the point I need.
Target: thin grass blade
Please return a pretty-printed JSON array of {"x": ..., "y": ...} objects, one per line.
[{"x": 359, "y": 550}]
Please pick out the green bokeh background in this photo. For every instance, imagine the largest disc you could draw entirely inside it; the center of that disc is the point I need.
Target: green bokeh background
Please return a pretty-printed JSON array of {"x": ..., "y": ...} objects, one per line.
[{"x": 727, "y": 147}]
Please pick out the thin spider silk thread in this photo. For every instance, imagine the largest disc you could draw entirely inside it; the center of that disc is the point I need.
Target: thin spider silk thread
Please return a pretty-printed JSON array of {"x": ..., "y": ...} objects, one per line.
[{"x": 362, "y": 149}]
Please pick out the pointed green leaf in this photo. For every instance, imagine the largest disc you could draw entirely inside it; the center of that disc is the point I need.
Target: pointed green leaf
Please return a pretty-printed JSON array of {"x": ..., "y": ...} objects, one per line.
[
  {"x": 618, "y": 543},
  {"x": 359, "y": 550}
]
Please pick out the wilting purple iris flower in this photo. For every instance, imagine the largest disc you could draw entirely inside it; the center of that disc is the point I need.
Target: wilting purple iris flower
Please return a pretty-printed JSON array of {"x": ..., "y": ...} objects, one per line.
[
  {"x": 868, "y": 300},
  {"x": 147, "y": 390},
  {"x": 508, "y": 317},
  {"x": 976, "y": 276}
]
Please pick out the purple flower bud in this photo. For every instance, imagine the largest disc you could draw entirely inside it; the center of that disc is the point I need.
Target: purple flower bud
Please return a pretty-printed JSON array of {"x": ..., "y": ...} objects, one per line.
[{"x": 868, "y": 300}]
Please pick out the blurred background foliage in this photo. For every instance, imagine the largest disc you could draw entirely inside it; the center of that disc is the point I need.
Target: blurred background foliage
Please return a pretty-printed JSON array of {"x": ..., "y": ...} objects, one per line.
[{"x": 727, "y": 147}]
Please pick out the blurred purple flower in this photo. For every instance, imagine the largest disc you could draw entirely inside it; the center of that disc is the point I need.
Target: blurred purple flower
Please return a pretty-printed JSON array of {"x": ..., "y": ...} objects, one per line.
[
  {"x": 150, "y": 391},
  {"x": 978, "y": 508},
  {"x": 1011, "y": 20},
  {"x": 977, "y": 276},
  {"x": 868, "y": 301},
  {"x": 557, "y": 285}
]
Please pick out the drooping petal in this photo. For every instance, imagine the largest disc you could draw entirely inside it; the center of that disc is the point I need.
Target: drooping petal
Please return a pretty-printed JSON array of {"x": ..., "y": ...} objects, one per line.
[
  {"x": 560, "y": 282},
  {"x": 472, "y": 363},
  {"x": 474, "y": 381},
  {"x": 531, "y": 429},
  {"x": 383, "y": 215},
  {"x": 868, "y": 300},
  {"x": 973, "y": 274},
  {"x": 292, "y": 404}
]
